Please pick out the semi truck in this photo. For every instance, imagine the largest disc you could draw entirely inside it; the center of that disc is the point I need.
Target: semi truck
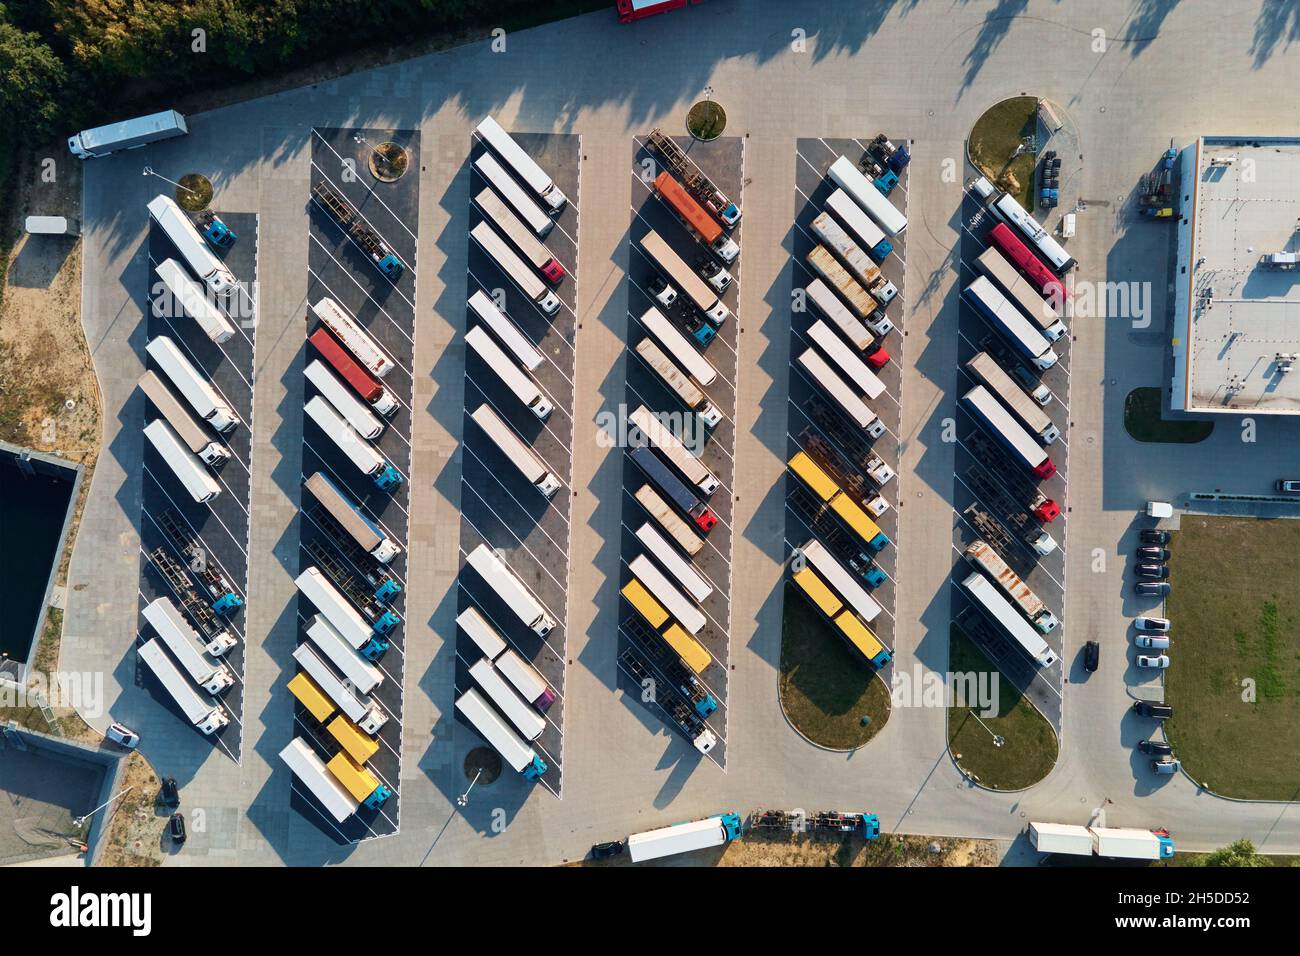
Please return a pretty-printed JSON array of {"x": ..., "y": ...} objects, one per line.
[
  {"x": 674, "y": 563},
  {"x": 857, "y": 334},
  {"x": 520, "y": 674},
  {"x": 190, "y": 432},
  {"x": 527, "y": 721},
  {"x": 1020, "y": 291},
  {"x": 309, "y": 770},
  {"x": 1004, "y": 238},
  {"x": 365, "y": 422},
  {"x": 861, "y": 303},
  {"x": 358, "y": 230},
  {"x": 371, "y": 390},
  {"x": 525, "y": 167},
  {"x": 510, "y": 588},
  {"x": 993, "y": 377},
  {"x": 847, "y": 624},
  {"x": 360, "y": 782},
  {"x": 182, "y": 295},
  {"x": 191, "y": 473},
  {"x": 490, "y": 725},
  {"x": 1008, "y": 431},
  {"x": 179, "y": 228},
  {"x": 361, "y": 675},
  {"x": 350, "y": 332},
  {"x": 339, "y": 612},
  {"x": 514, "y": 378},
  {"x": 656, "y": 652},
  {"x": 691, "y": 176},
  {"x": 860, "y": 189},
  {"x": 846, "y": 361},
  {"x": 683, "y": 277},
  {"x": 844, "y": 395},
  {"x": 678, "y": 382},
  {"x": 186, "y": 646},
  {"x": 369, "y": 535},
  {"x": 529, "y": 246},
  {"x": 830, "y": 234},
  {"x": 987, "y": 596},
  {"x": 981, "y": 554},
  {"x": 661, "y": 437},
  {"x": 359, "y": 451},
  {"x": 683, "y": 611},
  {"x": 692, "y": 215},
  {"x": 194, "y": 388},
  {"x": 505, "y": 329},
  {"x": 1114, "y": 842},
  {"x": 1006, "y": 318},
  {"x": 834, "y": 497},
  {"x": 127, "y": 134},
  {"x": 527, "y": 461},
  {"x": 358, "y": 706},
  {"x": 1005, "y": 207},
  {"x": 675, "y": 344},
  {"x": 205, "y": 716},
  {"x": 814, "y": 553},
  {"x": 674, "y": 488},
  {"x": 519, "y": 271},
  {"x": 684, "y": 837},
  {"x": 859, "y": 224},
  {"x": 657, "y": 508},
  {"x": 514, "y": 194}
]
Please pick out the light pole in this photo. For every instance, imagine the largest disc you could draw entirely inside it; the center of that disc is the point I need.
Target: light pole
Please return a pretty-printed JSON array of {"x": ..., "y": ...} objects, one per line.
[
  {"x": 998, "y": 739},
  {"x": 148, "y": 171},
  {"x": 463, "y": 799},
  {"x": 80, "y": 820}
]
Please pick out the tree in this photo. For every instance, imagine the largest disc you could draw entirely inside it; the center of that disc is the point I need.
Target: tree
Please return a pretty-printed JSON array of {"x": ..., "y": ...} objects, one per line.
[
  {"x": 31, "y": 79},
  {"x": 1241, "y": 853}
]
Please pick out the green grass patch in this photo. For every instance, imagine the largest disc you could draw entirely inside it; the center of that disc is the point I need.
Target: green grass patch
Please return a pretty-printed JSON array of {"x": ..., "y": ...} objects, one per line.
[
  {"x": 995, "y": 136},
  {"x": 825, "y": 688},
  {"x": 706, "y": 120},
  {"x": 1029, "y": 747},
  {"x": 1143, "y": 422},
  {"x": 1235, "y": 678}
]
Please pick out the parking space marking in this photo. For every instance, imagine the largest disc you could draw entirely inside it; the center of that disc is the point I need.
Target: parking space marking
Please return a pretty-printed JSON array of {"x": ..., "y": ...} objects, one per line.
[
  {"x": 668, "y": 718},
  {"x": 315, "y": 203},
  {"x": 379, "y": 199},
  {"x": 487, "y": 289},
  {"x": 373, "y": 301},
  {"x": 487, "y": 398}
]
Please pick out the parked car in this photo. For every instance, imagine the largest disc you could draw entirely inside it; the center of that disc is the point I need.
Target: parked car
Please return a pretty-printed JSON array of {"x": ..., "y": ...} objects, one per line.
[
  {"x": 1166, "y": 766},
  {"x": 1153, "y": 554},
  {"x": 1156, "y": 641},
  {"x": 1153, "y": 625},
  {"x": 1152, "y": 588},
  {"x": 1290, "y": 486},
  {"x": 170, "y": 794},
  {"x": 177, "y": 828},
  {"x": 603, "y": 851},
  {"x": 1157, "y": 572},
  {"x": 1149, "y": 708},
  {"x": 1155, "y": 536},
  {"x": 1155, "y": 748},
  {"x": 1158, "y": 661},
  {"x": 1091, "y": 655},
  {"x": 123, "y": 736}
]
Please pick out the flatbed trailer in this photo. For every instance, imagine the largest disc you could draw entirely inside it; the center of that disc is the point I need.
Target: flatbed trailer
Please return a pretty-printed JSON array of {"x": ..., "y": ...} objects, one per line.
[{"x": 356, "y": 228}]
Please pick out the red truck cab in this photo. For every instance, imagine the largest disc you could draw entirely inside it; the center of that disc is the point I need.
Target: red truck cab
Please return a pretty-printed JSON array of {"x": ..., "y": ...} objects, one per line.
[
  {"x": 553, "y": 271},
  {"x": 629, "y": 10}
]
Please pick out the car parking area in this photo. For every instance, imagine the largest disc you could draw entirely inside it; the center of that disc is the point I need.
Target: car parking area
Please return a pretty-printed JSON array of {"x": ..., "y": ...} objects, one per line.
[
  {"x": 816, "y": 425},
  {"x": 196, "y": 554},
  {"x": 994, "y": 493},
  {"x": 340, "y": 269},
  {"x": 500, "y": 506},
  {"x": 689, "y": 697}
]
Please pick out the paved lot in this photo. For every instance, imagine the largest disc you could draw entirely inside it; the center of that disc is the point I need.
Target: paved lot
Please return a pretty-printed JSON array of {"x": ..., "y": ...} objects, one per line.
[{"x": 929, "y": 69}]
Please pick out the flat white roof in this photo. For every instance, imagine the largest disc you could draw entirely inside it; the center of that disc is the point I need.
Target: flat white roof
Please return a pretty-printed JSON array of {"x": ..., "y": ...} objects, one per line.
[{"x": 1235, "y": 320}]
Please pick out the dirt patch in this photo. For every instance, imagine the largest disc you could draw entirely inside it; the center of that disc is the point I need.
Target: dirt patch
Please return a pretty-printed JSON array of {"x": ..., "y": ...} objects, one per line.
[
  {"x": 134, "y": 836},
  {"x": 755, "y": 850}
]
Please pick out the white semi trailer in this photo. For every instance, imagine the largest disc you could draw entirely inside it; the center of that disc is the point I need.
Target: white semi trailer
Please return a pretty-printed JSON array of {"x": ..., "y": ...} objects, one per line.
[
  {"x": 516, "y": 450},
  {"x": 187, "y": 468},
  {"x": 511, "y": 375},
  {"x": 195, "y": 438},
  {"x": 511, "y": 590},
  {"x": 180, "y": 639},
  {"x": 345, "y": 511},
  {"x": 194, "y": 387},
  {"x": 358, "y": 707},
  {"x": 127, "y": 134},
  {"x": 201, "y": 714},
  {"x": 661, "y": 437},
  {"x": 181, "y": 295},
  {"x": 171, "y": 219}
]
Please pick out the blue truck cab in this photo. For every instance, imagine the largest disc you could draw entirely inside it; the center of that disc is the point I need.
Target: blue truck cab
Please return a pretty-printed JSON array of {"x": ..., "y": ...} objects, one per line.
[
  {"x": 900, "y": 158},
  {"x": 1166, "y": 843},
  {"x": 870, "y": 826},
  {"x": 732, "y": 825},
  {"x": 730, "y": 215},
  {"x": 378, "y": 798},
  {"x": 228, "y": 603},
  {"x": 390, "y": 266},
  {"x": 387, "y": 478},
  {"x": 386, "y": 622},
  {"x": 376, "y": 649},
  {"x": 217, "y": 232},
  {"x": 387, "y": 590},
  {"x": 886, "y": 181},
  {"x": 878, "y": 543},
  {"x": 535, "y": 770},
  {"x": 875, "y": 577},
  {"x": 705, "y": 703},
  {"x": 881, "y": 250}
]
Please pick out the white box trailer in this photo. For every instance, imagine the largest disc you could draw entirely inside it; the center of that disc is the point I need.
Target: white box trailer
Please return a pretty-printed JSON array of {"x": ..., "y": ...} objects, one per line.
[
  {"x": 842, "y": 392},
  {"x": 684, "y": 837},
  {"x": 192, "y": 246},
  {"x": 348, "y": 514},
  {"x": 859, "y": 224},
  {"x": 997, "y": 381},
  {"x": 676, "y": 345},
  {"x": 351, "y": 333},
  {"x": 661, "y": 437},
  {"x": 665, "y": 592},
  {"x": 1009, "y": 432},
  {"x": 127, "y": 134},
  {"x": 514, "y": 194},
  {"x": 1007, "y": 319},
  {"x": 180, "y": 295},
  {"x": 520, "y": 272},
  {"x": 829, "y": 305},
  {"x": 981, "y": 554},
  {"x": 504, "y": 328},
  {"x": 678, "y": 382},
  {"x": 519, "y": 453},
  {"x": 679, "y": 274},
  {"x": 504, "y": 145},
  {"x": 360, "y": 674},
  {"x": 521, "y": 757},
  {"x": 483, "y": 634},
  {"x": 359, "y": 708},
  {"x": 494, "y": 209},
  {"x": 171, "y": 624},
  {"x": 841, "y": 581},
  {"x": 511, "y": 375},
  {"x": 51, "y": 226},
  {"x": 358, "y": 451},
  {"x": 668, "y": 519},
  {"x": 525, "y": 719},
  {"x": 194, "y": 387},
  {"x": 835, "y": 238},
  {"x": 526, "y": 679},
  {"x": 1019, "y": 290},
  {"x": 1066, "y": 838},
  {"x": 200, "y": 713},
  {"x": 846, "y": 360},
  {"x": 338, "y": 610},
  {"x": 175, "y": 632},
  {"x": 1129, "y": 843},
  {"x": 187, "y": 468},
  {"x": 674, "y": 563},
  {"x": 511, "y": 589},
  {"x": 861, "y": 190},
  {"x": 367, "y": 424},
  {"x": 987, "y": 595},
  {"x": 310, "y": 771},
  {"x": 189, "y": 431}
]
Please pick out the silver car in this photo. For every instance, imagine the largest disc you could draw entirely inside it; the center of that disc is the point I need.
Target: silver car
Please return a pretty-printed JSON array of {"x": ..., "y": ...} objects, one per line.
[
  {"x": 1158, "y": 642},
  {"x": 1153, "y": 625},
  {"x": 1166, "y": 766},
  {"x": 1159, "y": 661}
]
